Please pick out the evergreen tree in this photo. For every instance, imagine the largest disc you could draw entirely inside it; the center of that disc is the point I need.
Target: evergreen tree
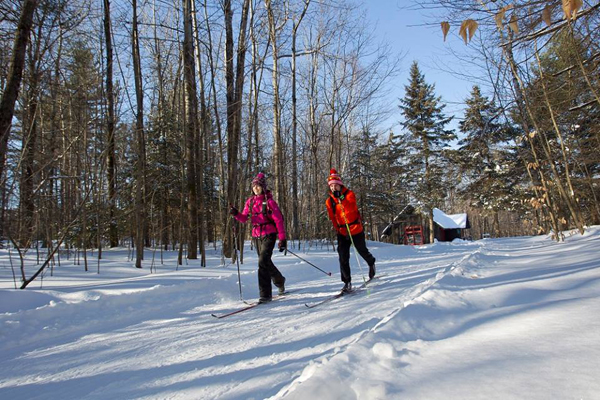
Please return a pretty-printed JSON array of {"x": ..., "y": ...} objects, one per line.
[
  {"x": 391, "y": 196},
  {"x": 483, "y": 163},
  {"x": 363, "y": 173},
  {"x": 425, "y": 122}
]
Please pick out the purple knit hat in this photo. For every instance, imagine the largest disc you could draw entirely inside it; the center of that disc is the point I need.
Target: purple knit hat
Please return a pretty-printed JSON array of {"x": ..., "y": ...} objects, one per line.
[{"x": 260, "y": 180}]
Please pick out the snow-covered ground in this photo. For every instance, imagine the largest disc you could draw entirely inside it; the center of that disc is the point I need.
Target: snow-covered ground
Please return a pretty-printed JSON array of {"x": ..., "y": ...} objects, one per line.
[{"x": 510, "y": 318}]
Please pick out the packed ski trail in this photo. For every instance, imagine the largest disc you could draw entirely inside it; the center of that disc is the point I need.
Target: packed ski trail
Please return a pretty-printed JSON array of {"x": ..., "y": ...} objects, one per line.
[
  {"x": 154, "y": 337},
  {"x": 273, "y": 342}
]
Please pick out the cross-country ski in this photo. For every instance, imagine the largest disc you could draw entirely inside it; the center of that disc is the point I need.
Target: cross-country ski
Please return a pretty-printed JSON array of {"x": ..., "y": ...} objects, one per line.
[
  {"x": 340, "y": 294},
  {"x": 250, "y": 305}
]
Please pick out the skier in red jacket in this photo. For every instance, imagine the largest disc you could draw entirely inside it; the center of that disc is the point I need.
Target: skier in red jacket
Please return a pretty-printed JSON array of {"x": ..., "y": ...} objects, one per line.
[
  {"x": 343, "y": 213},
  {"x": 267, "y": 225}
]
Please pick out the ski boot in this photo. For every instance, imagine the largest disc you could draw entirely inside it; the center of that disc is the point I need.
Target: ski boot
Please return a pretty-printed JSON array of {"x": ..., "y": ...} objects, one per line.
[
  {"x": 371, "y": 271},
  {"x": 281, "y": 287},
  {"x": 347, "y": 287}
]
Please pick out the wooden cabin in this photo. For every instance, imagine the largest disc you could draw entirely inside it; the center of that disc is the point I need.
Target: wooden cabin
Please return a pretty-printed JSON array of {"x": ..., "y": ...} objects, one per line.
[{"x": 450, "y": 226}]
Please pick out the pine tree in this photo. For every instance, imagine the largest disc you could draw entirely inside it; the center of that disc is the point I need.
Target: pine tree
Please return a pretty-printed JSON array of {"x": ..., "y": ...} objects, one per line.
[
  {"x": 363, "y": 173},
  {"x": 425, "y": 122},
  {"x": 484, "y": 164},
  {"x": 391, "y": 196}
]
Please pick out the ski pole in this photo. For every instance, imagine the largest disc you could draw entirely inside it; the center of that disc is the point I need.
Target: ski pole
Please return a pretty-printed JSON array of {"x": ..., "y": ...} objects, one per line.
[
  {"x": 237, "y": 258},
  {"x": 308, "y": 262},
  {"x": 352, "y": 241}
]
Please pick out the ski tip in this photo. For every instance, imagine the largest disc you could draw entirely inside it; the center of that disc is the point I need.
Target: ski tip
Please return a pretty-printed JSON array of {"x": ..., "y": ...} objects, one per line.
[{"x": 214, "y": 315}]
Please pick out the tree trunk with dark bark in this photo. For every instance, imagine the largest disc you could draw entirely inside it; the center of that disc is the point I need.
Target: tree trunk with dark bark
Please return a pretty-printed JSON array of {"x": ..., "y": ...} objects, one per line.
[{"x": 15, "y": 75}]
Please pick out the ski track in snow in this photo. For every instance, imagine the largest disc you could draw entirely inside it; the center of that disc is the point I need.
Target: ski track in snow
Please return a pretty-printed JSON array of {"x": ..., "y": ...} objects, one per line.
[
  {"x": 204, "y": 351},
  {"x": 408, "y": 296},
  {"x": 152, "y": 336}
]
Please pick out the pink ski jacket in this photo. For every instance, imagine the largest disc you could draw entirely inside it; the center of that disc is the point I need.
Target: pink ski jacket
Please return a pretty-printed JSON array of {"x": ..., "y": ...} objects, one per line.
[{"x": 271, "y": 221}]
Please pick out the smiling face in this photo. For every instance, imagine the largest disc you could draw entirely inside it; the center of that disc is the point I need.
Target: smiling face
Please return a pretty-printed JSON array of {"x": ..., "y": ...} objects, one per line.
[
  {"x": 334, "y": 186},
  {"x": 257, "y": 189}
]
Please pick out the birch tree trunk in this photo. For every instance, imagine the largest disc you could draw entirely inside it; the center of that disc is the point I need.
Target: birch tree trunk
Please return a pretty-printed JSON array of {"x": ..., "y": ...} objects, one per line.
[
  {"x": 568, "y": 195},
  {"x": 522, "y": 106}
]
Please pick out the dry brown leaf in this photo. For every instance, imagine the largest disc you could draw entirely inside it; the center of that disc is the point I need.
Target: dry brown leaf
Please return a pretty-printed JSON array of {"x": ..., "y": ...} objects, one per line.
[
  {"x": 570, "y": 8},
  {"x": 445, "y": 28},
  {"x": 472, "y": 27},
  {"x": 463, "y": 31},
  {"x": 499, "y": 17},
  {"x": 514, "y": 26},
  {"x": 575, "y": 7},
  {"x": 547, "y": 15},
  {"x": 467, "y": 29}
]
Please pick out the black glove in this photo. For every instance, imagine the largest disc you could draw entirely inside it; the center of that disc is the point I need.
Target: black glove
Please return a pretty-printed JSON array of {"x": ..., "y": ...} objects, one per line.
[
  {"x": 337, "y": 193},
  {"x": 282, "y": 245},
  {"x": 233, "y": 211}
]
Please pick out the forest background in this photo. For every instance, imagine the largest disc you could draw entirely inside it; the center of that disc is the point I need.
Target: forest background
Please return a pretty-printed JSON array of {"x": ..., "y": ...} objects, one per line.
[{"x": 139, "y": 122}]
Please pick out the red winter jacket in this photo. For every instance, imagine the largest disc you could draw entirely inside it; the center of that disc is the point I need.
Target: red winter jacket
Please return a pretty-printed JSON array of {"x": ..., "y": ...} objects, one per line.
[
  {"x": 263, "y": 223},
  {"x": 343, "y": 210}
]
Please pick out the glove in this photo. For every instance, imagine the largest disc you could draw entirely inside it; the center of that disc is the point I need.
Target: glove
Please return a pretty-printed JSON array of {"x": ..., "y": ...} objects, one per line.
[
  {"x": 337, "y": 193},
  {"x": 233, "y": 211},
  {"x": 282, "y": 245}
]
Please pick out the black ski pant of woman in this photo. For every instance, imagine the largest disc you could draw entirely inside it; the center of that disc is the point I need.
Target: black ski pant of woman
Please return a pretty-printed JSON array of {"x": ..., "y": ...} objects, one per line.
[
  {"x": 344, "y": 244},
  {"x": 267, "y": 271}
]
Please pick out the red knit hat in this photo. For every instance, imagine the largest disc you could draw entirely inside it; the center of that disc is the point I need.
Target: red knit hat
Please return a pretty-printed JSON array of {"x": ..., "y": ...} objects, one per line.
[
  {"x": 334, "y": 178},
  {"x": 260, "y": 180}
]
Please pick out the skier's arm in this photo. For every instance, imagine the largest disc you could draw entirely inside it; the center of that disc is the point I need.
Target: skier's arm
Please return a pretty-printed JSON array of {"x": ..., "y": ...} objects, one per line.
[
  {"x": 331, "y": 214},
  {"x": 243, "y": 216}
]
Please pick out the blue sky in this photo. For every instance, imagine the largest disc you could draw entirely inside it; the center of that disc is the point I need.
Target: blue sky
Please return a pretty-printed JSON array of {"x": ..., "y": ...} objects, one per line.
[{"x": 406, "y": 32}]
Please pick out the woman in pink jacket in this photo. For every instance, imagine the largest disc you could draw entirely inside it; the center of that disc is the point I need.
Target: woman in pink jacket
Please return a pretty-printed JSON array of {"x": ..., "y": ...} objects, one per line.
[{"x": 267, "y": 225}]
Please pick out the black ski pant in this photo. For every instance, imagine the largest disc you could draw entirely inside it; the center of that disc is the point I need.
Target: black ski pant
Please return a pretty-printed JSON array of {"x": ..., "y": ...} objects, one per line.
[
  {"x": 267, "y": 271},
  {"x": 344, "y": 244}
]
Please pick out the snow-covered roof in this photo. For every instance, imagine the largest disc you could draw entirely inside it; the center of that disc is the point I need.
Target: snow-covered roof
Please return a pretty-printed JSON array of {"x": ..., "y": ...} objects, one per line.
[{"x": 454, "y": 221}]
